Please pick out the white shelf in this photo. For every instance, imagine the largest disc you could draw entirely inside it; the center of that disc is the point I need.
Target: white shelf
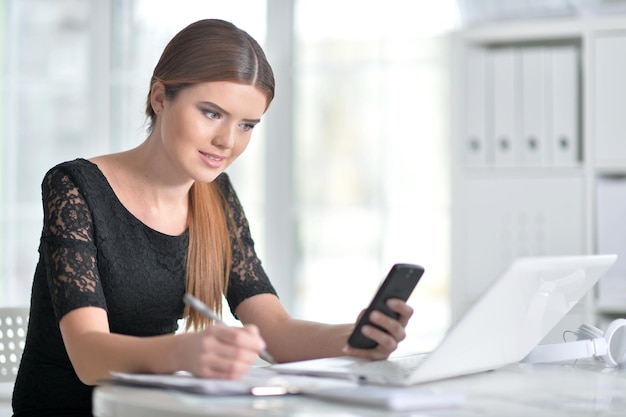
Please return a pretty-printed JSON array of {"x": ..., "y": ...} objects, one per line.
[
  {"x": 556, "y": 194},
  {"x": 542, "y": 30}
]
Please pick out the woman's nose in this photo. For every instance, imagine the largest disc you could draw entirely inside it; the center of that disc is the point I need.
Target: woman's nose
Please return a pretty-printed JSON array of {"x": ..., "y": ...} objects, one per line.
[{"x": 225, "y": 137}]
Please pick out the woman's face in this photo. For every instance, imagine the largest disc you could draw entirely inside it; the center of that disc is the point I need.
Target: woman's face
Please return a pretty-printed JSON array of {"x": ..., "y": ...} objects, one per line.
[{"x": 207, "y": 126}]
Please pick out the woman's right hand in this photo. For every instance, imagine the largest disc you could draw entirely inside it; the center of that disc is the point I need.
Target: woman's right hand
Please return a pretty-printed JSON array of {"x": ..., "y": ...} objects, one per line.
[{"x": 221, "y": 351}]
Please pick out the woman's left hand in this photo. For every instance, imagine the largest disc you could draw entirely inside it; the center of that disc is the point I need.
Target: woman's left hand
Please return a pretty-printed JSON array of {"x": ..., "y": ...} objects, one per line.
[{"x": 387, "y": 340}]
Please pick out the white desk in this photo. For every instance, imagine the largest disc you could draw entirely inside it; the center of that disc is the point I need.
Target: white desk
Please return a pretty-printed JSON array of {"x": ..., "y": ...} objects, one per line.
[{"x": 583, "y": 389}]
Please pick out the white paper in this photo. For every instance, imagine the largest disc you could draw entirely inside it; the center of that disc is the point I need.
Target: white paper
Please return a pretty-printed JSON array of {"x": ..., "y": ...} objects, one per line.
[{"x": 257, "y": 381}]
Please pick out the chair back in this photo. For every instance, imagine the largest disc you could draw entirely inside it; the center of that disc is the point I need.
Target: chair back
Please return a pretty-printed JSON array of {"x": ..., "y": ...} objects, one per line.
[{"x": 13, "y": 324}]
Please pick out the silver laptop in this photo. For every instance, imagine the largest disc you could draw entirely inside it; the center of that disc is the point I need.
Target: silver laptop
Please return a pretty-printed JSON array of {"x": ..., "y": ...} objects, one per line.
[{"x": 501, "y": 328}]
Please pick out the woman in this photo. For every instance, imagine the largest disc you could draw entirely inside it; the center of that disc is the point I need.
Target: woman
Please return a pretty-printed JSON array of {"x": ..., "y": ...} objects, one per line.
[{"x": 125, "y": 236}]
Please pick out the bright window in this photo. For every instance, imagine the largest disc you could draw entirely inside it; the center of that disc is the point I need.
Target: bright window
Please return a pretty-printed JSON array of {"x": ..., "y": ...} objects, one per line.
[
  {"x": 371, "y": 154},
  {"x": 74, "y": 84}
]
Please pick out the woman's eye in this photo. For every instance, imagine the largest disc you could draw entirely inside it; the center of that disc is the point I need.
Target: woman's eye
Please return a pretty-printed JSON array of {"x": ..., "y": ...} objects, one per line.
[
  {"x": 247, "y": 126},
  {"x": 211, "y": 114}
]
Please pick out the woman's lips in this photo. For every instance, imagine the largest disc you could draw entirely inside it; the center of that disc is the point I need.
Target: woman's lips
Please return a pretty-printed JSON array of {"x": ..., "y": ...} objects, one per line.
[{"x": 212, "y": 160}]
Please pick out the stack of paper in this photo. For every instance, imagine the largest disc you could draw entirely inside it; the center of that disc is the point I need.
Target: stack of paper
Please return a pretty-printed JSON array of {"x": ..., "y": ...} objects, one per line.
[
  {"x": 258, "y": 381},
  {"x": 264, "y": 381}
]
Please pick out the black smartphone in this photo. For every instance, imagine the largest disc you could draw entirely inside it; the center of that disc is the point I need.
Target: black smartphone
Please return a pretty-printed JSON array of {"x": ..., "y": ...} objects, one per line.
[{"x": 399, "y": 283}]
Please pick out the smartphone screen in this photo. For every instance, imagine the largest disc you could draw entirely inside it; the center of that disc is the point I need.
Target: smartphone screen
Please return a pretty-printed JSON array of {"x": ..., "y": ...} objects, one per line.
[{"x": 399, "y": 283}]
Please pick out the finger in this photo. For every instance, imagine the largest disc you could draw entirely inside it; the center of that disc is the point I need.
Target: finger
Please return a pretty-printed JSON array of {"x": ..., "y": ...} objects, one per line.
[
  {"x": 217, "y": 349},
  {"x": 247, "y": 337},
  {"x": 220, "y": 359},
  {"x": 402, "y": 308},
  {"x": 254, "y": 332},
  {"x": 219, "y": 367},
  {"x": 391, "y": 327},
  {"x": 386, "y": 342},
  {"x": 377, "y": 353},
  {"x": 231, "y": 342},
  {"x": 224, "y": 360}
]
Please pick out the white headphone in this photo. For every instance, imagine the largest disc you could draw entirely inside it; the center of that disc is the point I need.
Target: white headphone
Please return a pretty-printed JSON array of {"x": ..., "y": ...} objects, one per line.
[{"x": 590, "y": 342}]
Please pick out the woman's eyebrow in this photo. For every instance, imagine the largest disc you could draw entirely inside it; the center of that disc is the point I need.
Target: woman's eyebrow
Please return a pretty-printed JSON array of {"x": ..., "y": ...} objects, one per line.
[{"x": 226, "y": 113}]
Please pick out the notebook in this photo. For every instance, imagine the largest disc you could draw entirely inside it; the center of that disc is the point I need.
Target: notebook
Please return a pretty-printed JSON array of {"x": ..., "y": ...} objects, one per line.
[{"x": 515, "y": 313}]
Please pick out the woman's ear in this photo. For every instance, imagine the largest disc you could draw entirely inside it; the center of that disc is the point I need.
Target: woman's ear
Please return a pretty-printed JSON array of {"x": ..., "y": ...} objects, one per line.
[{"x": 157, "y": 97}]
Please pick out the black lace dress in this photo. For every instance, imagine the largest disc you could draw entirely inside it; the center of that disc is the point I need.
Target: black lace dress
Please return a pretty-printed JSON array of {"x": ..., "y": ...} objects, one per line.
[{"x": 93, "y": 252}]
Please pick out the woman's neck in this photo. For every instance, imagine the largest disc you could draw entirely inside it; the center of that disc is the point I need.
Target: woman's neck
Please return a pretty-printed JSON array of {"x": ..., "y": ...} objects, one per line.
[{"x": 143, "y": 186}]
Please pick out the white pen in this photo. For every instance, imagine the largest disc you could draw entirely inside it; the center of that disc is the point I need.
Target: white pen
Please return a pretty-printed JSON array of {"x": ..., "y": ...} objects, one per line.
[{"x": 203, "y": 309}]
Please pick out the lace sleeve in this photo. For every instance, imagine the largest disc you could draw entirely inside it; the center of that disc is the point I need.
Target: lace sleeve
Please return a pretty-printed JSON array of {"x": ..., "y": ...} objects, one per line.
[
  {"x": 247, "y": 276},
  {"x": 67, "y": 246}
]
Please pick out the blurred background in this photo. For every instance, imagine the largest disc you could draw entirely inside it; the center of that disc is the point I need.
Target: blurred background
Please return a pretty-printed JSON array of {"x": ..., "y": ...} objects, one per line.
[{"x": 348, "y": 173}]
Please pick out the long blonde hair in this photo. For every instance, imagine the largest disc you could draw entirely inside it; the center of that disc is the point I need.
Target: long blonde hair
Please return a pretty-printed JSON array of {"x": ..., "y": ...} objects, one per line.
[{"x": 209, "y": 50}]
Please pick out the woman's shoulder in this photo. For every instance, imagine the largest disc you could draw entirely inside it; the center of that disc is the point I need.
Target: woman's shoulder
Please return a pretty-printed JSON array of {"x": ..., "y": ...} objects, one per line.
[
  {"x": 72, "y": 166},
  {"x": 78, "y": 172}
]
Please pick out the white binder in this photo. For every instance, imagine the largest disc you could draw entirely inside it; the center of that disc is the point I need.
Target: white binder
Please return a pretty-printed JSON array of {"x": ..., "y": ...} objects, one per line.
[
  {"x": 609, "y": 102},
  {"x": 504, "y": 106},
  {"x": 565, "y": 102},
  {"x": 475, "y": 145},
  {"x": 532, "y": 138}
]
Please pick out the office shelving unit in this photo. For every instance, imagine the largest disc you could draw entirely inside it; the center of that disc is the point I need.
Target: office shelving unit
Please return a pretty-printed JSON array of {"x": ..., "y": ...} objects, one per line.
[{"x": 539, "y": 131}]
